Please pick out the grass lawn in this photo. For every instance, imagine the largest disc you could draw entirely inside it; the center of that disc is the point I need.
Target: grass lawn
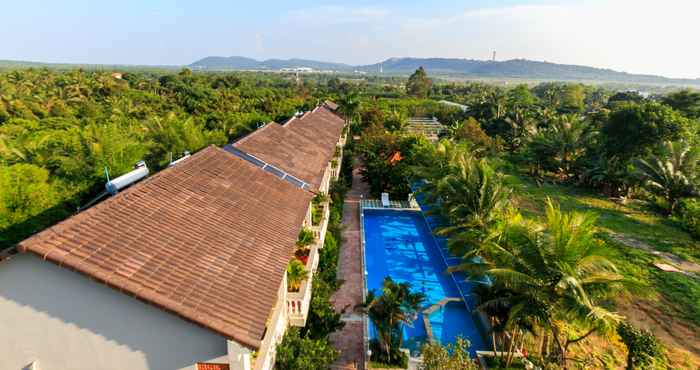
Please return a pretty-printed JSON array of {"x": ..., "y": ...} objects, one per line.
[{"x": 671, "y": 299}]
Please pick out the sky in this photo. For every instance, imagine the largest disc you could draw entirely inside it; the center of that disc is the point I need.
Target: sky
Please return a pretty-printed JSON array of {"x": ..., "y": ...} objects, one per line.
[{"x": 636, "y": 36}]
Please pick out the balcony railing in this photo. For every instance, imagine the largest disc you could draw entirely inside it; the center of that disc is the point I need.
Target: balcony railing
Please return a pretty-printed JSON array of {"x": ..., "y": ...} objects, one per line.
[
  {"x": 298, "y": 302},
  {"x": 319, "y": 231}
]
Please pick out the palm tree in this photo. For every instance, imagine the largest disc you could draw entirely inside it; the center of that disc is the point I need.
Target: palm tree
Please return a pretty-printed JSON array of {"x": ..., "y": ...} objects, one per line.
[
  {"x": 562, "y": 144},
  {"x": 395, "y": 307},
  {"x": 556, "y": 275},
  {"x": 396, "y": 121},
  {"x": 522, "y": 126},
  {"x": 434, "y": 163},
  {"x": 296, "y": 273},
  {"x": 349, "y": 106},
  {"x": 472, "y": 197},
  {"x": 671, "y": 175}
]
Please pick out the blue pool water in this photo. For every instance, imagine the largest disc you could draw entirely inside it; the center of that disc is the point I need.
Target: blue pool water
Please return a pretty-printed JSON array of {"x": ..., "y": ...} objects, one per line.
[{"x": 399, "y": 244}]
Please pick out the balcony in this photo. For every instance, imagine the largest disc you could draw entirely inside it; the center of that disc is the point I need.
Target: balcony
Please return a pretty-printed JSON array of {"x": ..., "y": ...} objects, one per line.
[
  {"x": 320, "y": 229},
  {"x": 298, "y": 302}
]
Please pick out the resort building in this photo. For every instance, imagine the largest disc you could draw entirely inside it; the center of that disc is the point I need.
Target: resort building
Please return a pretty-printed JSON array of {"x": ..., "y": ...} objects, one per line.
[{"x": 183, "y": 270}]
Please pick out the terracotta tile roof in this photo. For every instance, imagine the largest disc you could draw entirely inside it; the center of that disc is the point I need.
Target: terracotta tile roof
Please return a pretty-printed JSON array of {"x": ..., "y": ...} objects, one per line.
[
  {"x": 301, "y": 156},
  {"x": 208, "y": 239},
  {"x": 320, "y": 124},
  {"x": 205, "y": 366},
  {"x": 303, "y": 146},
  {"x": 331, "y": 105}
]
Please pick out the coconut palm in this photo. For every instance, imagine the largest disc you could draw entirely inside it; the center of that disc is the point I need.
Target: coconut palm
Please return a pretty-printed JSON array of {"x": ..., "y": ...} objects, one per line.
[
  {"x": 559, "y": 146},
  {"x": 471, "y": 197},
  {"x": 556, "y": 275},
  {"x": 672, "y": 174},
  {"x": 395, "y": 307},
  {"x": 434, "y": 163},
  {"x": 522, "y": 127},
  {"x": 349, "y": 106}
]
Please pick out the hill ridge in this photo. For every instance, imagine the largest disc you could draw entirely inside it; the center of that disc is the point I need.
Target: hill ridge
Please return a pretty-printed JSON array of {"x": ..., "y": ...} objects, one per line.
[{"x": 512, "y": 68}]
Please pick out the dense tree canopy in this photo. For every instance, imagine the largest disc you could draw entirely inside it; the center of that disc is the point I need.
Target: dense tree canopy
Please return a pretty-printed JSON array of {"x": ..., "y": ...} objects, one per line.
[
  {"x": 686, "y": 102},
  {"x": 60, "y": 131},
  {"x": 419, "y": 84},
  {"x": 636, "y": 129}
]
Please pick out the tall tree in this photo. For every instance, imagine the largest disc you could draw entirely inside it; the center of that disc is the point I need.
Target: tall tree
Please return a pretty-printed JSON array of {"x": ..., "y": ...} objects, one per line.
[
  {"x": 685, "y": 101},
  {"x": 396, "y": 306},
  {"x": 349, "y": 106},
  {"x": 558, "y": 274},
  {"x": 419, "y": 84},
  {"x": 471, "y": 198},
  {"x": 559, "y": 146},
  {"x": 636, "y": 129}
]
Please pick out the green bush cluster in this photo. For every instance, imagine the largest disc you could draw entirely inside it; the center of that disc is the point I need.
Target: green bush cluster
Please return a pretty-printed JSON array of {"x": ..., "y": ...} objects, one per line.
[
  {"x": 643, "y": 349},
  {"x": 298, "y": 352},
  {"x": 689, "y": 215}
]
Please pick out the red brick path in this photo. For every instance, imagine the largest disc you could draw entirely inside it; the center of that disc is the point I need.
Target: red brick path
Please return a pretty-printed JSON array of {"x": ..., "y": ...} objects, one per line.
[{"x": 349, "y": 340}]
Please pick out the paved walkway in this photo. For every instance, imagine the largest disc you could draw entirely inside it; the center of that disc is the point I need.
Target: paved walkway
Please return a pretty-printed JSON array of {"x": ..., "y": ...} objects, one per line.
[{"x": 349, "y": 340}]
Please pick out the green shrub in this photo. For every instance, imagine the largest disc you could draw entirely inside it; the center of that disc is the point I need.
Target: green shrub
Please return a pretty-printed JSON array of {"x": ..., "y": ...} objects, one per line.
[
  {"x": 296, "y": 352},
  {"x": 316, "y": 214},
  {"x": 689, "y": 215},
  {"x": 452, "y": 356},
  {"x": 328, "y": 261},
  {"x": 306, "y": 238},
  {"x": 644, "y": 350},
  {"x": 322, "y": 320}
]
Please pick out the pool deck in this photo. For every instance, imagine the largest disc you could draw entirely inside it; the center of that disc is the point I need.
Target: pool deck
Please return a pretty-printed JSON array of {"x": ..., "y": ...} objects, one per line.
[{"x": 349, "y": 340}]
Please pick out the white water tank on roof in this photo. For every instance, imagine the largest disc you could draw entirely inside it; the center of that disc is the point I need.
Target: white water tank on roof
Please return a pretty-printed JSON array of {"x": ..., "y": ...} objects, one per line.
[{"x": 140, "y": 171}]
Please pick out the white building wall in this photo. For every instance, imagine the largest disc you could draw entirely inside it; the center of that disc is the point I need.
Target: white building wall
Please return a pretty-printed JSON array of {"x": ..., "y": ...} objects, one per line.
[
  {"x": 276, "y": 328},
  {"x": 65, "y": 321}
]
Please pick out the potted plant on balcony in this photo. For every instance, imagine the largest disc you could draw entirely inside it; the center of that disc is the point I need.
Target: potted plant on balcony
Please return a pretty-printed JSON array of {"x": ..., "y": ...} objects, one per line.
[
  {"x": 317, "y": 208},
  {"x": 296, "y": 273},
  {"x": 304, "y": 241}
]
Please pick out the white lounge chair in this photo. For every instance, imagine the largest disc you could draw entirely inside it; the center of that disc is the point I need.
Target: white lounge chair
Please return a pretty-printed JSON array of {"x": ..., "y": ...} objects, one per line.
[{"x": 385, "y": 200}]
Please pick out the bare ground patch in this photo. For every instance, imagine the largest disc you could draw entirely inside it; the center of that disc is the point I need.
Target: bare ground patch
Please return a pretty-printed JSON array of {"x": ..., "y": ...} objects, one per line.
[{"x": 681, "y": 339}]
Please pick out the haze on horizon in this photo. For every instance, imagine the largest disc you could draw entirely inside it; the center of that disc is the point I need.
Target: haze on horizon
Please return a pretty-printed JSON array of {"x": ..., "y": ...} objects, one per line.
[{"x": 643, "y": 36}]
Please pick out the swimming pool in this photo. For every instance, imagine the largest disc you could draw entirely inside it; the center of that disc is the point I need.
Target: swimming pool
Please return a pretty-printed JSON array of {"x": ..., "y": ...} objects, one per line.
[{"x": 399, "y": 244}]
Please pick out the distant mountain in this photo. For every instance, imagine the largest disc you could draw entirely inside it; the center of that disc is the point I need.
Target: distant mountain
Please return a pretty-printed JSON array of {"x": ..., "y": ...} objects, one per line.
[
  {"x": 469, "y": 68},
  {"x": 515, "y": 68},
  {"x": 243, "y": 63}
]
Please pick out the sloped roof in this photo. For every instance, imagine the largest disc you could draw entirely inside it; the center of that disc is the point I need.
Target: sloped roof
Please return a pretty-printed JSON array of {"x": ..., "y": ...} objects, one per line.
[
  {"x": 303, "y": 146},
  {"x": 321, "y": 124},
  {"x": 331, "y": 105},
  {"x": 208, "y": 239},
  {"x": 301, "y": 156}
]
